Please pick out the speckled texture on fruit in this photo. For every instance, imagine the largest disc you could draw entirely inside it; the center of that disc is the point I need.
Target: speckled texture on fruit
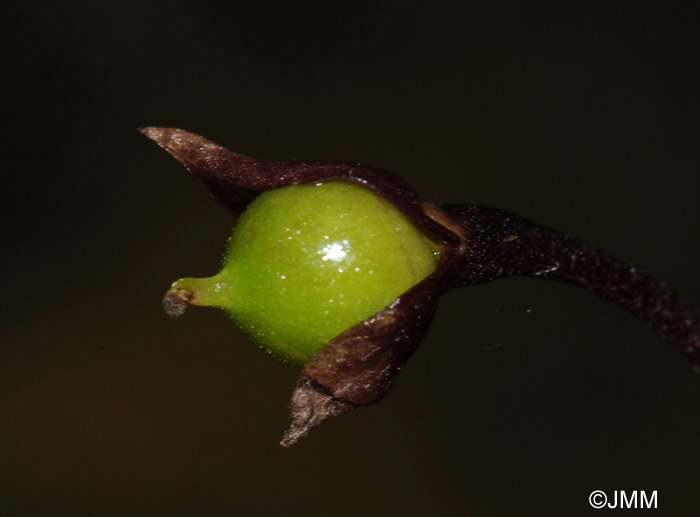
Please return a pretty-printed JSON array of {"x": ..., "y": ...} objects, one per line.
[{"x": 307, "y": 262}]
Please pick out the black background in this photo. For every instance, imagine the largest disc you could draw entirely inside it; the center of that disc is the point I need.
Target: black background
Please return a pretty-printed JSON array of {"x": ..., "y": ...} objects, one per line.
[{"x": 525, "y": 396}]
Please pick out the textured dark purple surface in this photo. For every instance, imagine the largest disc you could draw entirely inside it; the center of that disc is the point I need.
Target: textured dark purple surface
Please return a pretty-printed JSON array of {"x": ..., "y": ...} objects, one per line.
[
  {"x": 500, "y": 244},
  {"x": 235, "y": 179}
]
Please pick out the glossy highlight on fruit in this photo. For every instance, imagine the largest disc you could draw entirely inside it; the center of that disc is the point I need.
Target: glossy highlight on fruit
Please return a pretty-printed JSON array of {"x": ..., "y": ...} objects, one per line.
[{"x": 307, "y": 262}]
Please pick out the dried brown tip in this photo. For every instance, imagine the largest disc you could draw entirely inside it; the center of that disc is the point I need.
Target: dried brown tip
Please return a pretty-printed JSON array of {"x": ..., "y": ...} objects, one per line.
[
  {"x": 192, "y": 150},
  {"x": 176, "y": 301},
  {"x": 311, "y": 405},
  {"x": 221, "y": 171}
]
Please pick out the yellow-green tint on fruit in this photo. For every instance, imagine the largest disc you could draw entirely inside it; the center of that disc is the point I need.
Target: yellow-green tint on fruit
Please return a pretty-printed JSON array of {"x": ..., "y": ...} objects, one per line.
[{"x": 307, "y": 262}]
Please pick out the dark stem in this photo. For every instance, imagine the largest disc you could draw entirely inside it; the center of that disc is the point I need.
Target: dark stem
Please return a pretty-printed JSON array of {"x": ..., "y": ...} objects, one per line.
[{"x": 500, "y": 244}]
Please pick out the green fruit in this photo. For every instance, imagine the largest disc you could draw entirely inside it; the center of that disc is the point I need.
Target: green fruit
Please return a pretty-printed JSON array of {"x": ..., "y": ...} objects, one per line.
[{"x": 307, "y": 262}]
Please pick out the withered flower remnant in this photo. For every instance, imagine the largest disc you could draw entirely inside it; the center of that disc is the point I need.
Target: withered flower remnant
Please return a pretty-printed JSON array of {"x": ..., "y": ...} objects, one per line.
[{"x": 430, "y": 250}]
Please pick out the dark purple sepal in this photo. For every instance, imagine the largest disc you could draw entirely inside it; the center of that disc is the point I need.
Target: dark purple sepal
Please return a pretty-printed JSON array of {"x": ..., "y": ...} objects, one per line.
[
  {"x": 209, "y": 163},
  {"x": 358, "y": 367},
  {"x": 235, "y": 180}
]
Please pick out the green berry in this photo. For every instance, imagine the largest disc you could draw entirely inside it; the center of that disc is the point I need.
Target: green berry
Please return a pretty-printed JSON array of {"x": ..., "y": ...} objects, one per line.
[{"x": 307, "y": 262}]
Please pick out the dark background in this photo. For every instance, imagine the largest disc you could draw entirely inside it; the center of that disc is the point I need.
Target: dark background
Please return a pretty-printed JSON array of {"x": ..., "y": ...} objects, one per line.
[{"x": 525, "y": 396}]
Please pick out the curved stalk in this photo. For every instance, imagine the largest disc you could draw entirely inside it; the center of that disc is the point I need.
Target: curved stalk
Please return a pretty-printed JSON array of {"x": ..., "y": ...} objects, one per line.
[{"x": 500, "y": 244}]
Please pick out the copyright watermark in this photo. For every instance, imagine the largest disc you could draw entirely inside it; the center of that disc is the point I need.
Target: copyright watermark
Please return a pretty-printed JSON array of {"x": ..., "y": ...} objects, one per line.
[{"x": 623, "y": 499}]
